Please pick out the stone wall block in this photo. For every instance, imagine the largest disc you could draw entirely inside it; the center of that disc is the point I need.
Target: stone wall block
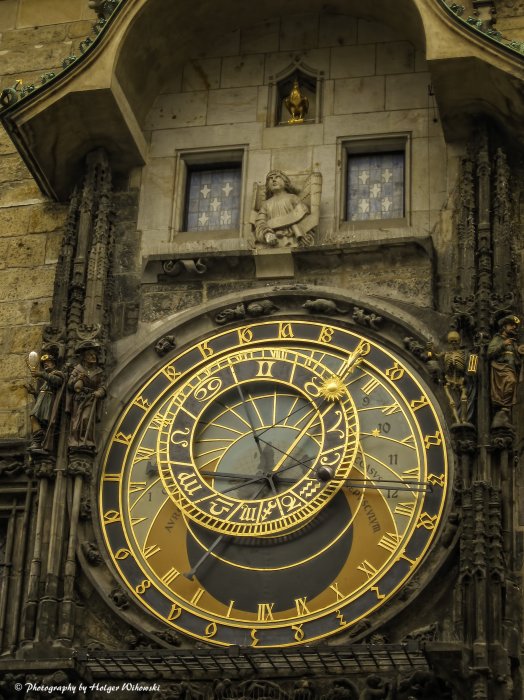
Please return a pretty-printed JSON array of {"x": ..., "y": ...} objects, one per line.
[
  {"x": 293, "y": 135},
  {"x": 370, "y": 32},
  {"x": 44, "y": 58},
  {"x": 13, "y": 313},
  {"x": 157, "y": 194},
  {"x": 81, "y": 29},
  {"x": 359, "y": 95},
  {"x": 25, "y": 339},
  {"x": 407, "y": 91},
  {"x": 352, "y": 61},
  {"x": 20, "y": 192},
  {"x": 12, "y": 167},
  {"x": 36, "y": 12},
  {"x": 233, "y": 105},
  {"x": 165, "y": 142},
  {"x": 53, "y": 245},
  {"x": 13, "y": 366},
  {"x": 30, "y": 37},
  {"x": 39, "y": 311},
  {"x": 242, "y": 71},
  {"x": 23, "y": 283},
  {"x": 14, "y": 394},
  {"x": 182, "y": 109},
  {"x": 292, "y": 160},
  {"x": 24, "y": 251},
  {"x": 8, "y": 10},
  {"x": 201, "y": 74},
  {"x": 226, "y": 44},
  {"x": 45, "y": 217},
  {"x": 6, "y": 145},
  {"x": 337, "y": 30},
  {"x": 395, "y": 57},
  {"x": 12, "y": 423},
  {"x": 319, "y": 59},
  {"x": 298, "y": 32},
  {"x": 260, "y": 38}
]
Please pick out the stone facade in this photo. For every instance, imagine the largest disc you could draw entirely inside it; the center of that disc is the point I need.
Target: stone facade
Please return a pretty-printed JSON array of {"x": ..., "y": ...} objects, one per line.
[{"x": 106, "y": 265}]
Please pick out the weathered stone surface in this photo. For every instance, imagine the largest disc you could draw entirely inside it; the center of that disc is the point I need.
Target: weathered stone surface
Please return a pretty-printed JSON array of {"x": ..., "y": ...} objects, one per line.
[
  {"x": 407, "y": 91},
  {"x": 44, "y": 57},
  {"x": 80, "y": 29},
  {"x": 299, "y": 32},
  {"x": 13, "y": 366},
  {"x": 6, "y": 145},
  {"x": 39, "y": 310},
  {"x": 359, "y": 95},
  {"x": 337, "y": 30},
  {"x": 30, "y": 37},
  {"x": 8, "y": 10},
  {"x": 12, "y": 423},
  {"x": 53, "y": 244},
  {"x": 19, "y": 192},
  {"x": 353, "y": 61},
  {"x": 13, "y": 313},
  {"x": 161, "y": 304},
  {"x": 37, "y": 12},
  {"x": 201, "y": 74},
  {"x": 182, "y": 109},
  {"x": 395, "y": 57},
  {"x": 22, "y": 283},
  {"x": 260, "y": 38},
  {"x": 25, "y": 339},
  {"x": 242, "y": 71},
  {"x": 232, "y": 105},
  {"x": 14, "y": 394},
  {"x": 22, "y": 251},
  {"x": 12, "y": 168}
]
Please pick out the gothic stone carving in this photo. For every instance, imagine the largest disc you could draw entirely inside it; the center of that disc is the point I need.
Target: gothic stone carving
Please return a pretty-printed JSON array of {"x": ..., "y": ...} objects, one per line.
[{"x": 285, "y": 214}]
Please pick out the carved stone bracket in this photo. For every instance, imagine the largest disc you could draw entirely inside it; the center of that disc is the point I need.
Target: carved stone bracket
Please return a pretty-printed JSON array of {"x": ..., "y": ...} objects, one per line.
[
  {"x": 254, "y": 309},
  {"x": 165, "y": 345},
  {"x": 175, "y": 268}
]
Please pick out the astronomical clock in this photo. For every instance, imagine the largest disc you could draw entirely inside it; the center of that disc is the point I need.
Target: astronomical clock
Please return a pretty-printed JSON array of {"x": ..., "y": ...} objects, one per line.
[{"x": 274, "y": 482}]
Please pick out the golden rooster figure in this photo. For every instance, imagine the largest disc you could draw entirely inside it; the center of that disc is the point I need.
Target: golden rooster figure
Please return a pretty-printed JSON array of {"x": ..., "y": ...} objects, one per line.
[{"x": 297, "y": 104}]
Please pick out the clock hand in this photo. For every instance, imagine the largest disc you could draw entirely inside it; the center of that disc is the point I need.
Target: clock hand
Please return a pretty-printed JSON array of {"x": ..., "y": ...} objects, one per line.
[
  {"x": 382, "y": 485},
  {"x": 249, "y": 416},
  {"x": 190, "y": 574}
]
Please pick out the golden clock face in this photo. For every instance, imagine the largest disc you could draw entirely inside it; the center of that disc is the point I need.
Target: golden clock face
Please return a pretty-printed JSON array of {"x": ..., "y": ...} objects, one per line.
[{"x": 273, "y": 484}]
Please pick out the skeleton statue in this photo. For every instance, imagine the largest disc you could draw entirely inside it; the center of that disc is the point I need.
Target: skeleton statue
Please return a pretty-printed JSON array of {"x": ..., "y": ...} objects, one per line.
[{"x": 459, "y": 368}]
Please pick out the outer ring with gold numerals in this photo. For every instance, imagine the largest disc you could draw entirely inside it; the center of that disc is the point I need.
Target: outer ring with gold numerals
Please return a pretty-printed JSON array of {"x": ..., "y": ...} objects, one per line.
[{"x": 296, "y": 584}]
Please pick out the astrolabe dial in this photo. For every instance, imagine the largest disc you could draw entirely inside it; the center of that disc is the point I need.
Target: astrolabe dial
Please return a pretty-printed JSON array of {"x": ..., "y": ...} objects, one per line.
[
  {"x": 310, "y": 488},
  {"x": 244, "y": 438}
]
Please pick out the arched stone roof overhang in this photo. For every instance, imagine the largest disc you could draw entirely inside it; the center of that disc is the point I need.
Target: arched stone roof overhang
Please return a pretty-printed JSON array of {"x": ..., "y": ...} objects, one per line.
[{"x": 102, "y": 100}]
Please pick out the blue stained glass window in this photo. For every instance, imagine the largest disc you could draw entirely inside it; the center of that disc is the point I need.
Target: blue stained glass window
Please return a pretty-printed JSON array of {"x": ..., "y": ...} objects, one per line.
[
  {"x": 213, "y": 199},
  {"x": 375, "y": 186}
]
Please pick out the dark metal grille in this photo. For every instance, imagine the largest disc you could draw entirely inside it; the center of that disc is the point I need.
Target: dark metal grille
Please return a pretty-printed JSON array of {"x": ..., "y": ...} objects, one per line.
[{"x": 239, "y": 662}]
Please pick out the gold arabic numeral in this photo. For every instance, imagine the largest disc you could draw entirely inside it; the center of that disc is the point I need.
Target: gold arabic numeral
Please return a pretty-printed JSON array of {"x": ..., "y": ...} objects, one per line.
[
  {"x": 245, "y": 335},
  {"x": 122, "y": 554},
  {"x": 208, "y": 389},
  {"x": 437, "y": 480},
  {"x": 135, "y": 486},
  {"x": 265, "y": 612},
  {"x": 390, "y": 541},
  {"x": 368, "y": 569},
  {"x": 299, "y": 632},
  {"x": 406, "y": 508},
  {"x": 370, "y": 386},
  {"x": 335, "y": 428},
  {"x": 285, "y": 330},
  {"x": 112, "y": 516},
  {"x": 417, "y": 404},
  {"x": 189, "y": 483},
  {"x": 175, "y": 612},
  {"x": 150, "y": 551},
  {"x": 427, "y": 521},
  {"x": 142, "y": 403},
  {"x": 142, "y": 587},
  {"x": 182, "y": 442},
  {"x": 326, "y": 334},
  {"x": 302, "y": 608},
  {"x": 336, "y": 590},
  {"x": 170, "y": 576},
  {"x": 265, "y": 368},
  {"x": 196, "y": 596},
  {"x": 390, "y": 410},
  {"x": 432, "y": 440},
  {"x": 210, "y": 630},
  {"x": 137, "y": 521},
  {"x": 143, "y": 453},
  {"x": 230, "y": 608},
  {"x": 396, "y": 372},
  {"x": 254, "y": 637},
  {"x": 205, "y": 350}
]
